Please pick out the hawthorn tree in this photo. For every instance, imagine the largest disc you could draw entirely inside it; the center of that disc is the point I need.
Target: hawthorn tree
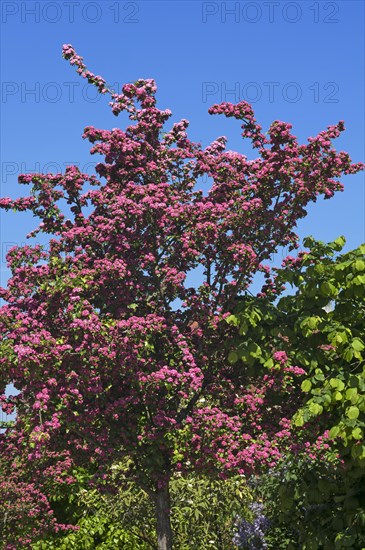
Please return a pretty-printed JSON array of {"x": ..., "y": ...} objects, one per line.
[{"x": 106, "y": 361}]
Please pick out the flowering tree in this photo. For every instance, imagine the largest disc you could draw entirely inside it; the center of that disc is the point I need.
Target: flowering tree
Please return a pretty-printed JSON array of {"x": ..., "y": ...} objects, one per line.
[{"x": 107, "y": 363}]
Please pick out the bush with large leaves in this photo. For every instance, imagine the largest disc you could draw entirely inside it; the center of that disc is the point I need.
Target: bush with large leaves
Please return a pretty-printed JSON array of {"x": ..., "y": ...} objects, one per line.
[{"x": 319, "y": 329}]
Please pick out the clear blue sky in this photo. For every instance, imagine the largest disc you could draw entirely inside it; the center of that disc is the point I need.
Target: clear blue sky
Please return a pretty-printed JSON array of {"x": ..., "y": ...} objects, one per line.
[{"x": 301, "y": 62}]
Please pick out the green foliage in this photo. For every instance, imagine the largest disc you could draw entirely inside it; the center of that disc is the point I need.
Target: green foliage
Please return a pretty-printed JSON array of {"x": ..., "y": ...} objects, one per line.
[
  {"x": 123, "y": 520},
  {"x": 95, "y": 531},
  {"x": 314, "y": 505},
  {"x": 203, "y": 515},
  {"x": 204, "y": 511},
  {"x": 320, "y": 327},
  {"x": 332, "y": 341}
]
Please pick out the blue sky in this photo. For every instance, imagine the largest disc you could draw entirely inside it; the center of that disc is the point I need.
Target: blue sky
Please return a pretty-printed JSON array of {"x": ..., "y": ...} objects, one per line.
[{"x": 301, "y": 62}]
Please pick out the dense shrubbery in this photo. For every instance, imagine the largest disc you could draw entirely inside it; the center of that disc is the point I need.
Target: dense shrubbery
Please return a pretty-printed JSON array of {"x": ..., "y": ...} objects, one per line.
[
  {"x": 204, "y": 514},
  {"x": 313, "y": 505}
]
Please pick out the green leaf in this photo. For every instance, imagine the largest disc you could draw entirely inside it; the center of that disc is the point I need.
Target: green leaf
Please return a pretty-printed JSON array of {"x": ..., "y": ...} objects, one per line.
[
  {"x": 357, "y": 433},
  {"x": 243, "y": 327},
  {"x": 358, "y": 451},
  {"x": 333, "y": 433},
  {"x": 315, "y": 408},
  {"x": 339, "y": 243},
  {"x": 269, "y": 363},
  {"x": 357, "y": 344},
  {"x": 352, "y": 395},
  {"x": 327, "y": 289},
  {"x": 312, "y": 322},
  {"x": 337, "y": 384},
  {"x": 348, "y": 355},
  {"x": 232, "y": 357},
  {"x": 352, "y": 413},
  {"x": 306, "y": 385},
  {"x": 359, "y": 265},
  {"x": 299, "y": 420},
  {"x": 359, "y": 280},
  {"x": 232, "y": 320},
  {"x": 254, "y": 350}
]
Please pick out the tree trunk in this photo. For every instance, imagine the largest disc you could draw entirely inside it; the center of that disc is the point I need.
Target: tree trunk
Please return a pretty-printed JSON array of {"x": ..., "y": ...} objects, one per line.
[{"x": 162, "y": 505}]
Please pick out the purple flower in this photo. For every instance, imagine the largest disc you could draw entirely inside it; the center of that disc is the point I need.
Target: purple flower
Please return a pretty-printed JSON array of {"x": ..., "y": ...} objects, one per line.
[{"x": 251, "y": 534}]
